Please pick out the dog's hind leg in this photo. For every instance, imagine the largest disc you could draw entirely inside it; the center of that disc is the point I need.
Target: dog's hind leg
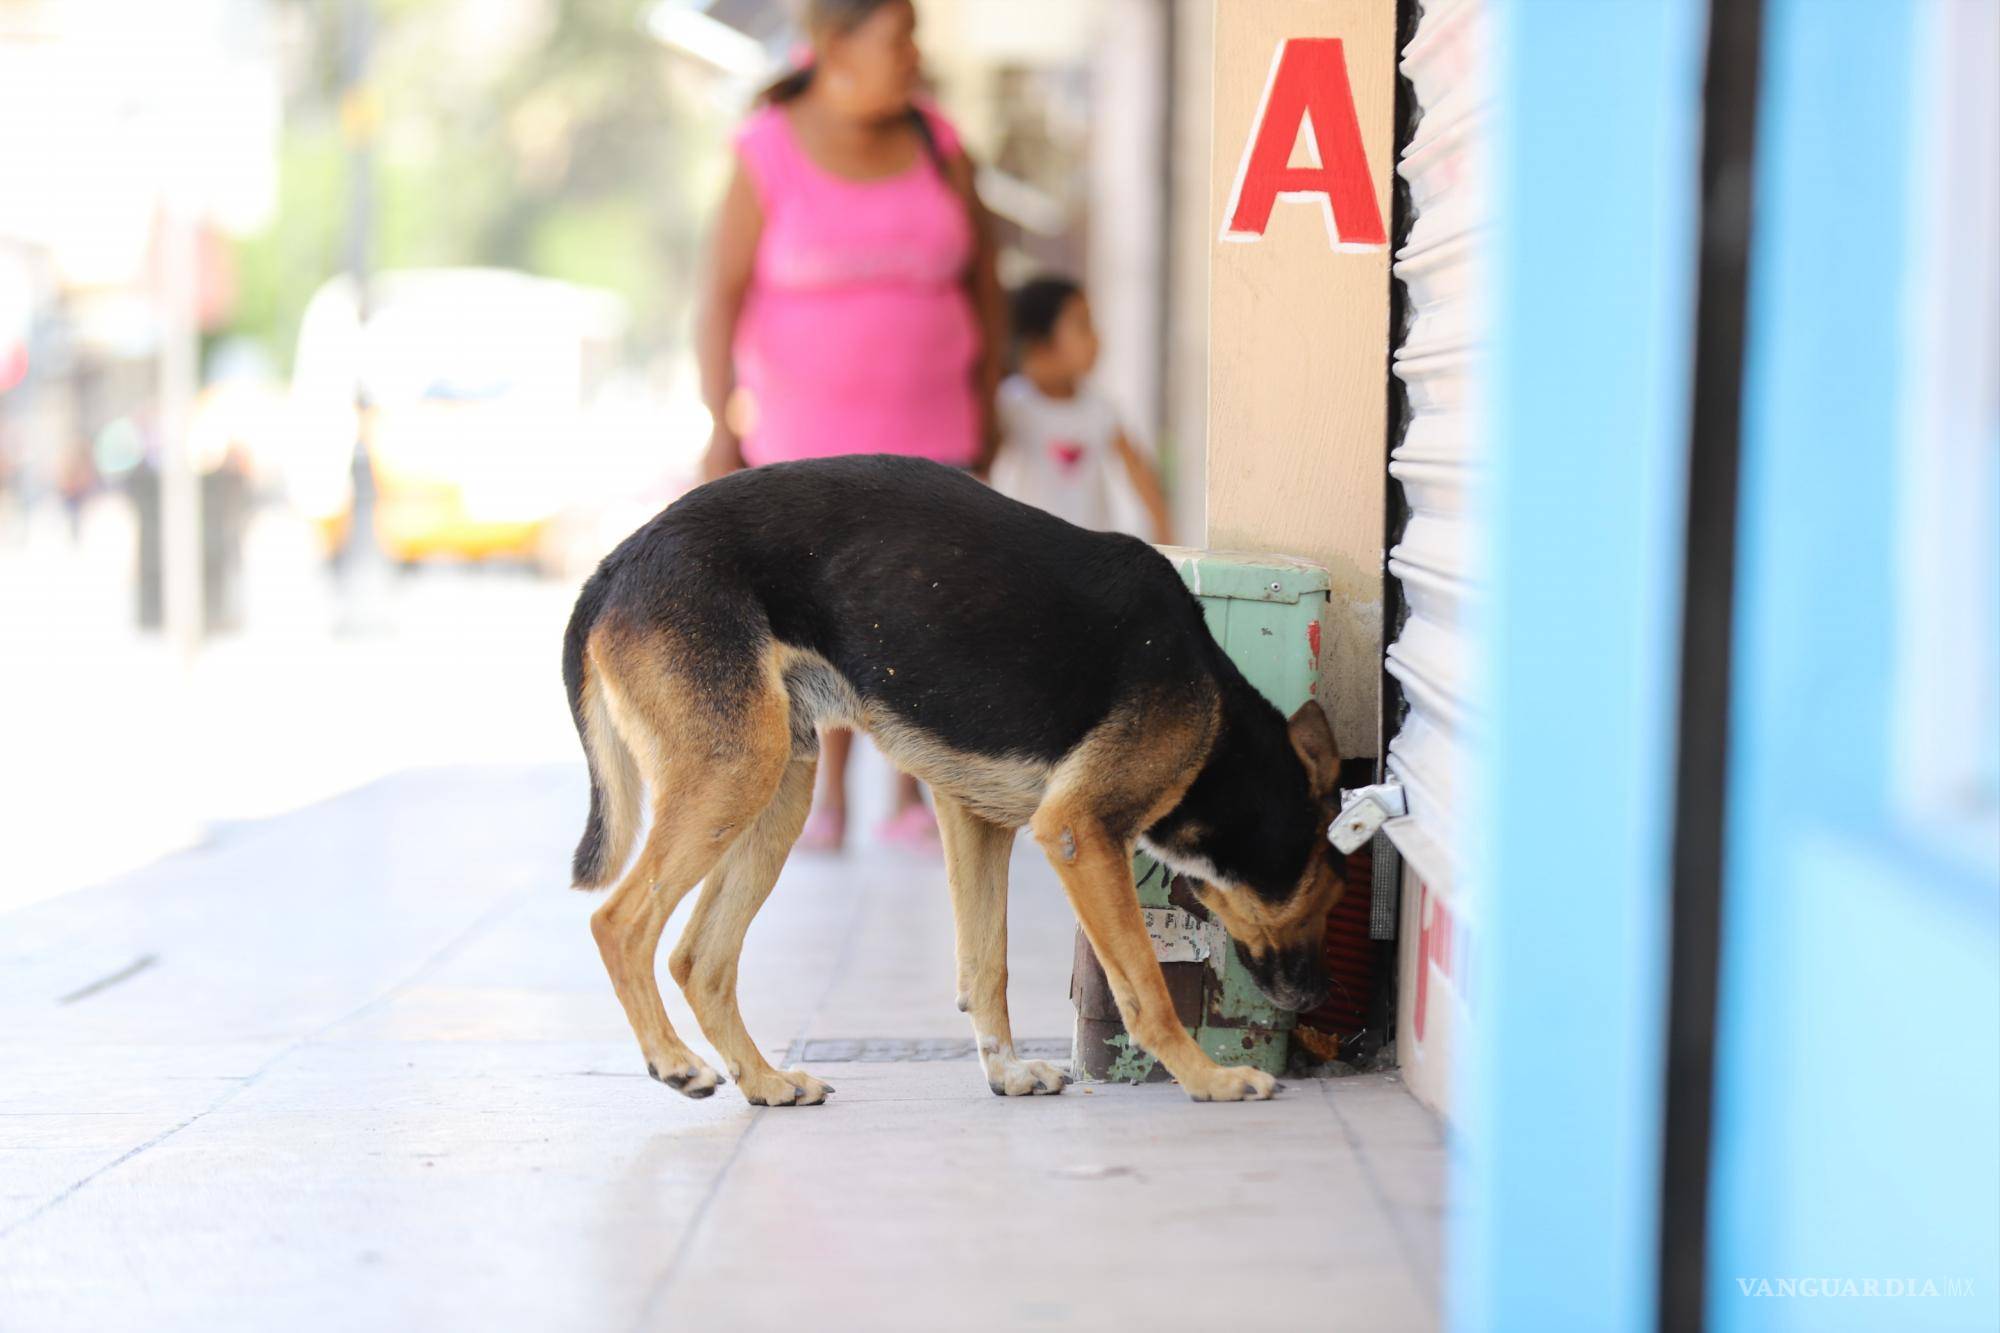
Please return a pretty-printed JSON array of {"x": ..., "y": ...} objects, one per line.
[
  {"x": 627, "y": 929},
  {"x": 703, "y": 964},
  {"x": 711, "y": 772},
  {"x": 976, "y": 854}
]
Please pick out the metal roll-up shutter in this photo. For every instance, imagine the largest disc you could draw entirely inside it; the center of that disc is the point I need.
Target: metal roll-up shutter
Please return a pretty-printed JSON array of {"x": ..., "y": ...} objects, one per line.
[{"x": 1436, "y": 464}]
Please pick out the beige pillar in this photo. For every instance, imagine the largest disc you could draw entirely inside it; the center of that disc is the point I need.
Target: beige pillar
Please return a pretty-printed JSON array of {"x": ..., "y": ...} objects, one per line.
[
  {"x": 1128, "y": 222},
  {"x": 1299, "y": 311},
  {"x": 1184, "y": 438},
  {"x": 181, "y": 585}
]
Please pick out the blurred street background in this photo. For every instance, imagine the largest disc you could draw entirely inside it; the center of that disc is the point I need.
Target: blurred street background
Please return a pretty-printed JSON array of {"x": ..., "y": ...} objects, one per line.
[
  {"x": 227, "y": 591},
  {"x": 338, "y": 340}
]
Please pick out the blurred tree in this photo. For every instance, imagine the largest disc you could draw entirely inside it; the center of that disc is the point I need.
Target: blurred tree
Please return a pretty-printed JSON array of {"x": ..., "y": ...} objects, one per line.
[{"x": 553, "y": 136}]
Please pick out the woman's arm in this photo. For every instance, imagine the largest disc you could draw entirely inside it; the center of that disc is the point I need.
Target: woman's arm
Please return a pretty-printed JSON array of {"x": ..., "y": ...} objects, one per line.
[
  {"x": 989, "y": 304},
  {"x": 1147, "y": 482},
  {"x": 732, "y": 258}
]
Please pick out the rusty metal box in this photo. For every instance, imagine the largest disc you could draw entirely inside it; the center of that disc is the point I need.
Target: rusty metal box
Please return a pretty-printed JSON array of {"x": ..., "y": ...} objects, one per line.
[{"x": 1266, "y": 612}]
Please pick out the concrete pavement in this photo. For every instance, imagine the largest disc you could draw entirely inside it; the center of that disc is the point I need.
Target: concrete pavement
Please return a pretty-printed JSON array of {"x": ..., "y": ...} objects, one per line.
[{"x": 358, "y": 1066}]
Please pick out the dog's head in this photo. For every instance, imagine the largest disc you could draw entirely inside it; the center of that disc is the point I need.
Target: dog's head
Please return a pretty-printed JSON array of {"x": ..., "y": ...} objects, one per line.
[{"x": 1277, "y": 916}]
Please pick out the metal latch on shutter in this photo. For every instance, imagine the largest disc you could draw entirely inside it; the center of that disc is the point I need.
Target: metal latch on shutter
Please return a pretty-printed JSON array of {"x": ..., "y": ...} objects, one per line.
[{"x": 1363, "y": 811}]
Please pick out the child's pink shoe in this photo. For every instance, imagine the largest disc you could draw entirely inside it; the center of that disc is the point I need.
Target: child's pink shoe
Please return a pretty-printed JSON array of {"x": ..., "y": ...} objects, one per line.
[
  {"x": 912, "y": 828},
  {"x": 825, "y": 831}
]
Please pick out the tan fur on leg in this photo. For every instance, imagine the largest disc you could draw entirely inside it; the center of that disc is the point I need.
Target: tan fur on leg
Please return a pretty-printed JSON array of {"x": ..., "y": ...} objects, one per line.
[
  {"x": 627, "y": 929},
  {"x": 704, "y": 962},
  {"x": 1096, "y": 872},
  {"x": 710, "y": 772},
  {"x": 976, "y": 853}
]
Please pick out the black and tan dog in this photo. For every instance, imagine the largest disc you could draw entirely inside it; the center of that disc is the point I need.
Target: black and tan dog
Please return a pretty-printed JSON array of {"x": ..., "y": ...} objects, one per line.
[{"x": 1031, "y": 672}]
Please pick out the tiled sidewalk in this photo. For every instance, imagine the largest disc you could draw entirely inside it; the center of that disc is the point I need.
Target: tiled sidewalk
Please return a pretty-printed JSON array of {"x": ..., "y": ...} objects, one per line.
[{"x": 359, "y": 1067}]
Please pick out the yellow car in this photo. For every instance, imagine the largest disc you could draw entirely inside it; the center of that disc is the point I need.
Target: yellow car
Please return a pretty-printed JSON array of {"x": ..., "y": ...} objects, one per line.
[{"x": 477, "y": 383}]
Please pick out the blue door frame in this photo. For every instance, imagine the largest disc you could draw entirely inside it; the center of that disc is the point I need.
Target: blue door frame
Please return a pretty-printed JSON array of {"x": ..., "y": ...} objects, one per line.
[
  {"x": 1596, "y": 168},
  {"x": 1849, "y": 926},
  {"x": 1856, "y": 1131}
]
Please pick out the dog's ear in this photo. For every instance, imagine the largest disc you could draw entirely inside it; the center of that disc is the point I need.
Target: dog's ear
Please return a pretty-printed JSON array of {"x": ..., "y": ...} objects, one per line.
[{"x": 1312, "y": 740}]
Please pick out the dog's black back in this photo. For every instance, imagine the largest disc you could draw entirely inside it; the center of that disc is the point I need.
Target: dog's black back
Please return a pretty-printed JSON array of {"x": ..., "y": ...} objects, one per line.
[{"x": 992, "y": 625}]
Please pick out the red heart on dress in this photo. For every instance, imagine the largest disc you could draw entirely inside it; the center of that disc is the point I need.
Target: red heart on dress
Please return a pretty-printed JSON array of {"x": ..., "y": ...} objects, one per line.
[{"x": 1068, "y": 453}]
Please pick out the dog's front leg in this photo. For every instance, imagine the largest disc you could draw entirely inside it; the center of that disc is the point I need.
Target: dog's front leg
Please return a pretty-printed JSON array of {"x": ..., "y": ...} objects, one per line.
[
  {"x": 976, "y": 855},
  {"x": 1096, "y": 871}
]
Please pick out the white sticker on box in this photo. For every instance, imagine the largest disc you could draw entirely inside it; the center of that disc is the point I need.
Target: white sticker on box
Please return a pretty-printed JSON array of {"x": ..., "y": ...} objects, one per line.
[{"x": 1179, "y": 937}]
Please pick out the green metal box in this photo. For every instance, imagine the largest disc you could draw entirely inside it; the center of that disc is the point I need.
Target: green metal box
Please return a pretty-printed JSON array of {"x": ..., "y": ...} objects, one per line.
[{"x": 1266, "y": 612}]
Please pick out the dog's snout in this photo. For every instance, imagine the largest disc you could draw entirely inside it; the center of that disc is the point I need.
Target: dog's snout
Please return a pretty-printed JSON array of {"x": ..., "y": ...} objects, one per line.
[
  {"x": 1313, "y": 996},
  {"x": 1294, "y": 979}
]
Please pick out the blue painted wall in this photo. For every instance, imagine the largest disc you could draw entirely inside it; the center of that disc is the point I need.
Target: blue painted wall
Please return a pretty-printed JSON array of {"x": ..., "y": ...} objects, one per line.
[
  {"x": 1593, "y": 276},
  {"x": 1858, "y": 1110},
  {"x": 1858, "y": 1056}
]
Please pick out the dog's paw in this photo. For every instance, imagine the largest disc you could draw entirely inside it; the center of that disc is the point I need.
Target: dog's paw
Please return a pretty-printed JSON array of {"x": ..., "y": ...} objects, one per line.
[
  {"x": 687, "y": 1076},
  {"x": 1025, "y": 1078},
  {"x": 1234, "y": 1083},
  {"x": 783, "y": 1087}
]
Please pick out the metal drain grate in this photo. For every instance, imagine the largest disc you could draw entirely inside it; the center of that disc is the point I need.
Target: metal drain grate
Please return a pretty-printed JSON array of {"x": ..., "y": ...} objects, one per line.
[{"x": 901, "y": 1050}]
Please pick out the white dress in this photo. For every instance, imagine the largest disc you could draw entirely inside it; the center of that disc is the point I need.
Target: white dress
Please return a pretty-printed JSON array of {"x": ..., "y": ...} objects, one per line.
[{"x": 1060, "y": 454}]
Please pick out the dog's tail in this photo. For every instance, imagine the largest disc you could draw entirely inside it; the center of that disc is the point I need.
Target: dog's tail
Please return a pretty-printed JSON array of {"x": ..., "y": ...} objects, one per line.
[{"x": 614, "y": 776}]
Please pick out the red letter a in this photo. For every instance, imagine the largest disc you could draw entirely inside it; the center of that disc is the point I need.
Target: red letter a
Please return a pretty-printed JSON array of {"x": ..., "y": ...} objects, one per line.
[{"x": 1308, "y": 86}]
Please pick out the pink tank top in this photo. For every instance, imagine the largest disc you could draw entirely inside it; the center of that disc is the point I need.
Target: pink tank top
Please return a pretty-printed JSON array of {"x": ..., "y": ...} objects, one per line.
[{"x": 857, "y": 335}]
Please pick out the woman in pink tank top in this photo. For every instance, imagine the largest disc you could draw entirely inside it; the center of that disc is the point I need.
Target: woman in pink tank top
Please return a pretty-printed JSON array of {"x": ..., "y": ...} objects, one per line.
[{"x": 852, "y": 305}]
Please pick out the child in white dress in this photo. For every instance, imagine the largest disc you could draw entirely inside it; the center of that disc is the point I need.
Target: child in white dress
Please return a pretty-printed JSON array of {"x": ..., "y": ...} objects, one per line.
[{"x": 1062, "y": 448}]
